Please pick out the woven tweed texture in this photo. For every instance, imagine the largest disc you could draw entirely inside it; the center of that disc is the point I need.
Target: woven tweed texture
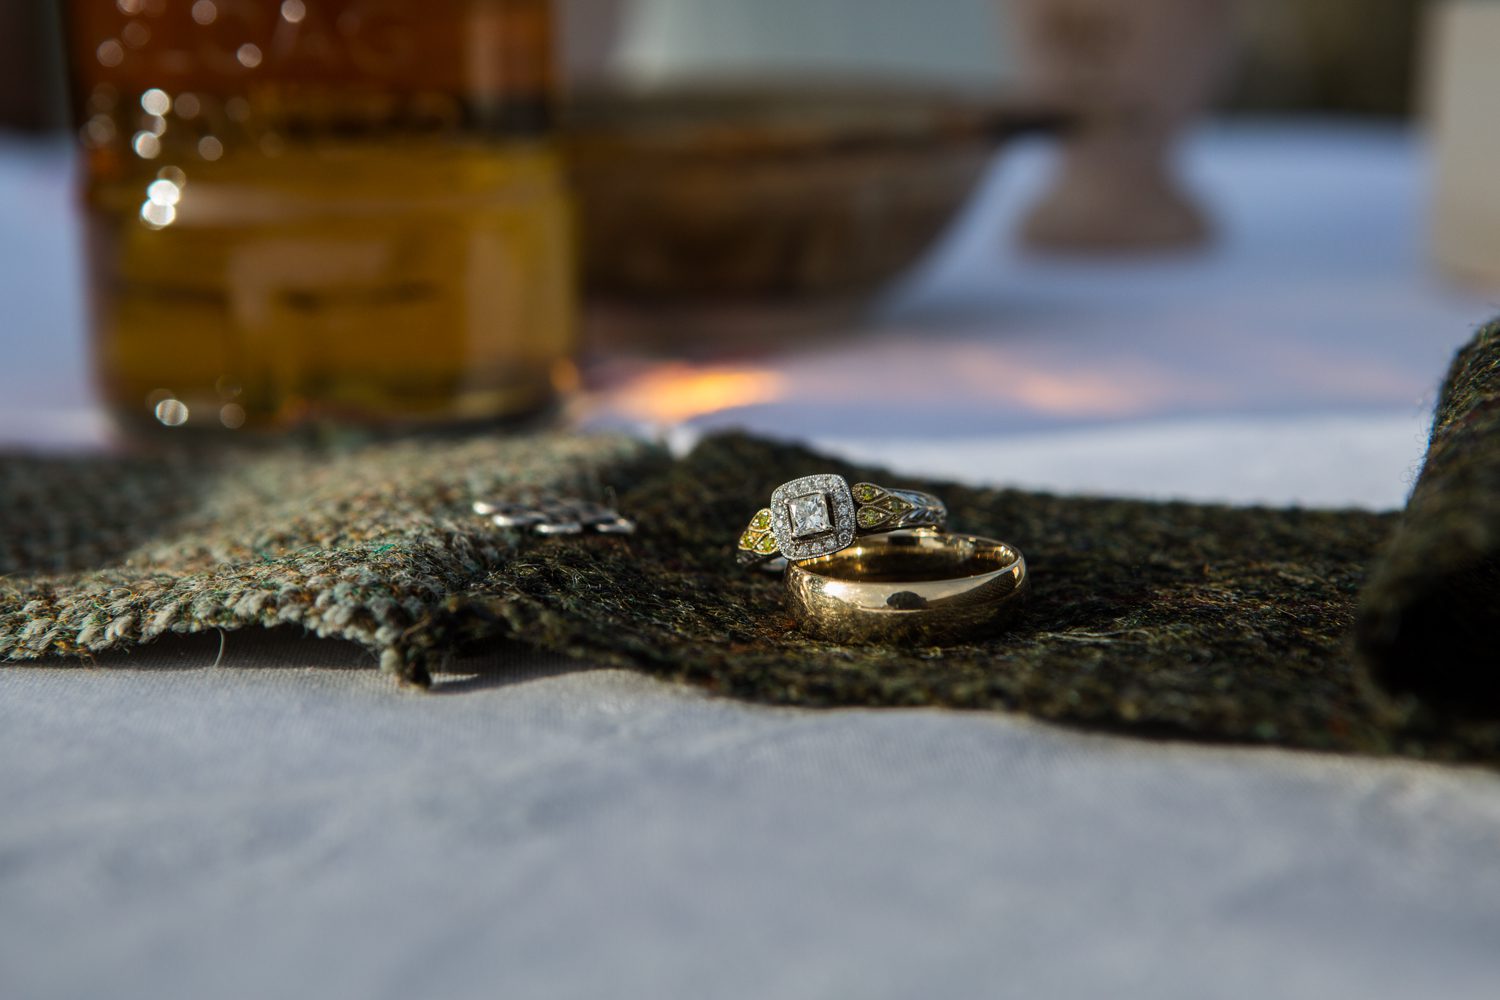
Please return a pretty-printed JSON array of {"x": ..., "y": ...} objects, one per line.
[
  {"x": 1430, "y": 619},
  {"x": 375, "y": 544},
  {"x": 1163, "y": 619}
]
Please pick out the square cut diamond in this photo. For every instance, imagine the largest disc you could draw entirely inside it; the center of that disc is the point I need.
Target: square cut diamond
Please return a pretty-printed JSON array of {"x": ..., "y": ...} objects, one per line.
[{"x": 809, "y": 515}]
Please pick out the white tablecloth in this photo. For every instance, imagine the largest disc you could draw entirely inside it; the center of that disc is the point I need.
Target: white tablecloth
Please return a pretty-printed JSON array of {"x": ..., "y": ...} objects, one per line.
[{"x": 283, "y": 825}]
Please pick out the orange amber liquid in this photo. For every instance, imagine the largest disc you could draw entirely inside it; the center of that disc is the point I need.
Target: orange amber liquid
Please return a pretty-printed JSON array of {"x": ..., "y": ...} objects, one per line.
[{"x": 304, "y": 211}]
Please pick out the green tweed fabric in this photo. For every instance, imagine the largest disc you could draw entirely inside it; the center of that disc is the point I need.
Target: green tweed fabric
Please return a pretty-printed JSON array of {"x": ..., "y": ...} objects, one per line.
[
  {"x": 1430, "y": 619},
  {"x": 1163, "y": 619},
  {"x": 376, "y": 544}
]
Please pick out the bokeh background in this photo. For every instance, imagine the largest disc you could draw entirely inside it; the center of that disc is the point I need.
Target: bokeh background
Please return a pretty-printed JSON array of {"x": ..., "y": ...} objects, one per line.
[
  {"x": 1310, "y": 328},
  {"x": 1329, "y": 56}
]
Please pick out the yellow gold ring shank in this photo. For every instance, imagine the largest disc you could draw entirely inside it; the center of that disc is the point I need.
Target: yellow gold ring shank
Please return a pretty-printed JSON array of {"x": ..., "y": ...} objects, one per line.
[{"x": 910, "y": 587}]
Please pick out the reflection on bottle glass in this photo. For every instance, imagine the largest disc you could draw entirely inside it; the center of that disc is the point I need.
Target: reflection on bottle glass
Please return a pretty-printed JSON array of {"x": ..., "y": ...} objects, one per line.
[{"x": 342, "y": 209}]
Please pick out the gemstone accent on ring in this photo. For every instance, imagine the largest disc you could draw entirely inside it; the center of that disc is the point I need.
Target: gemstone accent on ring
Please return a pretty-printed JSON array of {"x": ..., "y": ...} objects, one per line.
[
  {"x": 757, "y": 536},
  {"x": 878, "y": 506}
]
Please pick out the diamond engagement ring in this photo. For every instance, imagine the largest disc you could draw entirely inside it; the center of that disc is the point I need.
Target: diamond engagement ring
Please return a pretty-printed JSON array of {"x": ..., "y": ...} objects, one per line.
[{"x": 819, "y": 515}]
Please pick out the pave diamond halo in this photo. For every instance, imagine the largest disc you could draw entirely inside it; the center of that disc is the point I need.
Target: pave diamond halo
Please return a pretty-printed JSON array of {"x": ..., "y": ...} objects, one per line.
[{"x": 813, "y": 516}]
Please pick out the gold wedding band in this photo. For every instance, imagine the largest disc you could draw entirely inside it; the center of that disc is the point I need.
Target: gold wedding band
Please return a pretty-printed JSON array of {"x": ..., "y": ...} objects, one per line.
[{"x": 912, "y": 587}]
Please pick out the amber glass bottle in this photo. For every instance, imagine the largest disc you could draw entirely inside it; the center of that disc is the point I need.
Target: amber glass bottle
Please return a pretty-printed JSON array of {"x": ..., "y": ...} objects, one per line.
[{"x": 321, "y": 209}]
